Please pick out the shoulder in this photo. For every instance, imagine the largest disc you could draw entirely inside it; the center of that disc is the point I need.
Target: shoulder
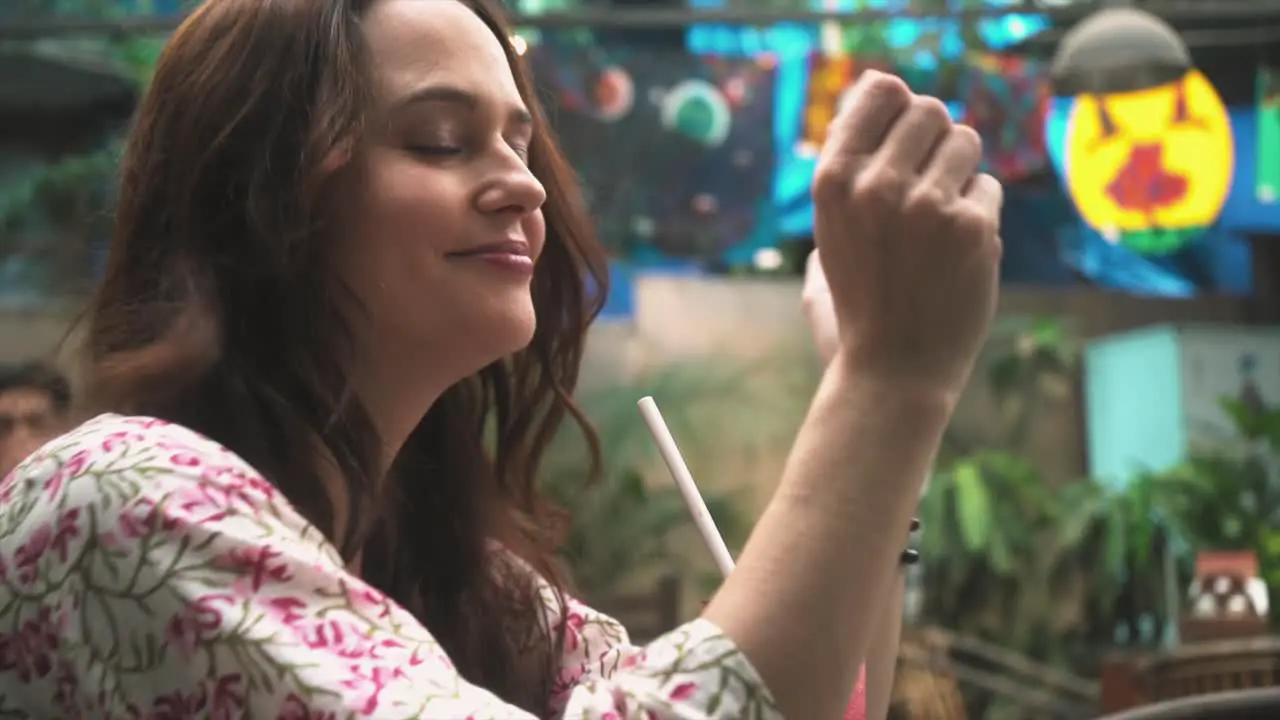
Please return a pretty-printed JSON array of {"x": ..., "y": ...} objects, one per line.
[
  {"x": 595, "y": 645},
  {"x": 153, "y": 571},
  {"x": 111, "y": 479},
  {"x": 588, "y": 633},
  {"x": 120, "y": 444},
  {"x": 114, "y": 438}
]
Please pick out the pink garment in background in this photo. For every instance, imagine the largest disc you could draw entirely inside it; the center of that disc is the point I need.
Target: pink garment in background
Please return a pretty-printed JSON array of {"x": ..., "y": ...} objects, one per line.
[{"x": 858, "y": 704}]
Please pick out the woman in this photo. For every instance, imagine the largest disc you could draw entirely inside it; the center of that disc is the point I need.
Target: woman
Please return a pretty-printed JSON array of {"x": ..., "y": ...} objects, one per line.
[{"x": 343, "y": 316}]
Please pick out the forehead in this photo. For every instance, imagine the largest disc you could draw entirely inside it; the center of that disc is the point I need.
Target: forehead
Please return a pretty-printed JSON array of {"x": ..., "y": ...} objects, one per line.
[
  {"x": 22, "y": 401},
  {"x": 415, "y": 42}
]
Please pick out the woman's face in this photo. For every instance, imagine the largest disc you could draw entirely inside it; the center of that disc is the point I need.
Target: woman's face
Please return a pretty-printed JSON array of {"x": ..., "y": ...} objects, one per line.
[{"x": 439, "y": 217}]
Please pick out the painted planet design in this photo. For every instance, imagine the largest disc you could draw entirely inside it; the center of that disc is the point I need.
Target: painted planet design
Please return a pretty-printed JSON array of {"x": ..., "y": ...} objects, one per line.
[
  {"x": 614, "y": 94},
  {"x": 698, "y": 110}
]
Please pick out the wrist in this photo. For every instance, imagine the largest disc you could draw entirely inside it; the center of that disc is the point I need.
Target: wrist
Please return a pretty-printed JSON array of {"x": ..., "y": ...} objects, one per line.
[
  {"x": 866, "y": 449},
  {"x": 926, "y": 403}
]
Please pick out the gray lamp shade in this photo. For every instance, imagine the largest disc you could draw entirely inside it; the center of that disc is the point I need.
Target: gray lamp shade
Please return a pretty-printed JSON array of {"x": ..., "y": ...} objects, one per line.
[{"x": 1118, "y": 50}]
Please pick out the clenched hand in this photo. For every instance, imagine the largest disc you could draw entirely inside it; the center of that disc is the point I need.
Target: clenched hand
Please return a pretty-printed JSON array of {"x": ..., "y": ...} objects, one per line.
[{"x": 908, "y": 235}]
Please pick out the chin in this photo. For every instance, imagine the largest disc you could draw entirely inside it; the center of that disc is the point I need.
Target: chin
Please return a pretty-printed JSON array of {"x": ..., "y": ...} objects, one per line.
[
  {"x": 511, "y": 331},
  {"x": 522, "y": 334}
]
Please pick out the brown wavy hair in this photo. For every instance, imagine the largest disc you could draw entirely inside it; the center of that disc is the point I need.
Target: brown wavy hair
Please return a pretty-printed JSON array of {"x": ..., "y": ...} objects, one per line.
[{"x": 220, "y": 311}]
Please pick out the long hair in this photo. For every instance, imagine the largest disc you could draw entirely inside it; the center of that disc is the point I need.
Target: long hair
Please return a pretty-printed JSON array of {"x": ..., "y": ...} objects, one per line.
[{"x": 220, "y": 311}]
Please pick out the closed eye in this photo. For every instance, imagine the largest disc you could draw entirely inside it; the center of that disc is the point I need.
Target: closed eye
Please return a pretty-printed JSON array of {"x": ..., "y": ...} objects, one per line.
[{"x": 435, "y": 151}]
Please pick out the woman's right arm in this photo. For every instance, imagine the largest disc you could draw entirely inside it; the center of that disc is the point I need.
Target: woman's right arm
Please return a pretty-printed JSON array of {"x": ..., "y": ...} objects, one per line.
[{"x": 907, "y": 234}]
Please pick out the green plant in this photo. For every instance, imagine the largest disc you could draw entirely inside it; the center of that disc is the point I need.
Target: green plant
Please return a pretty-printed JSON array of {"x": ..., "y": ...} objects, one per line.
[
  {"x": 1231, "y": 497},
  {"x": 1057, "y": 572},
  {"x": 994, "y": 527},
  {"x": 55, "y": 188},
  {"x": 633, "y": 522},
  {"x": 1121, "y": 539},
  {"x": 625, "y": 527},
  {"x": 986, "y": 517},
  {"x": 53, "y": 212}
]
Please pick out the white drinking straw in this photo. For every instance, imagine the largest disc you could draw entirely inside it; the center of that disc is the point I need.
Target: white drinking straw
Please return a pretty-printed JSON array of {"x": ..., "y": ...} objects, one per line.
[{"x": 680, "y": 473}]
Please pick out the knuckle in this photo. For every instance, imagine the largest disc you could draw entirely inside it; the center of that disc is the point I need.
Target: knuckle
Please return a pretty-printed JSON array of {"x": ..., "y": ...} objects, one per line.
[
  {"x": 968, "y": 137},
  {"x": 926, "y": 200},
  {"x": 997, "y": 247},
  {"x": 995, "y": 188},
  {"x": 887, "y": 88},
  {"x": 975, "y": 222},
  {"x": 879, "y": 184},
  {"x": 987, "y": 194},
  {"x": 830, "y": 181},
  {"x": 932, "y": 110}
]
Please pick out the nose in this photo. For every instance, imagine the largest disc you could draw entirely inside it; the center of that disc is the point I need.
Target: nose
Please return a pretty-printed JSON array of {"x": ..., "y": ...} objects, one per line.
[{"x": 512, "y": 190}]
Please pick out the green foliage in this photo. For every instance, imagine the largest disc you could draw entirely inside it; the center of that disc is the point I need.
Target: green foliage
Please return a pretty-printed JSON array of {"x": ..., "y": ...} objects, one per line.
[
  {"x": 140, "y": 54},
  {"x": 54, "y": 188},
  {"x": 1056, "y": 572},
  {"x": 633, "y": 522},
  {"x": 1063, "y": 573},
  {"x": 52, "y": 204},
  {"x": 1231, "y": 499}
]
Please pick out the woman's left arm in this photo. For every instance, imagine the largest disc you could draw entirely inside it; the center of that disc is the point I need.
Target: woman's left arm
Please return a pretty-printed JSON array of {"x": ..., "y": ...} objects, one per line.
[{"x": 882, "y": 656}]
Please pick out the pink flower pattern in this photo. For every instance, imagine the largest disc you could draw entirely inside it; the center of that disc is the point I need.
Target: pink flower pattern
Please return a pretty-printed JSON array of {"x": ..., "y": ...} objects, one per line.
[{"x": 147, "y": 573}]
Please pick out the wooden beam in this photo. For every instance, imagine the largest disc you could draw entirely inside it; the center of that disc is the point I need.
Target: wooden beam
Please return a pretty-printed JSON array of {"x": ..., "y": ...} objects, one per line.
[
  {"x": 1264, "y": 303},
  {"x": 1059, "y": 10}
]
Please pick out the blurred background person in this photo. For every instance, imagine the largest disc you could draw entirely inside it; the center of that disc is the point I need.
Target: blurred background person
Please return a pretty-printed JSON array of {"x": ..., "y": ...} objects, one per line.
[{"x": 35, "y": 401}]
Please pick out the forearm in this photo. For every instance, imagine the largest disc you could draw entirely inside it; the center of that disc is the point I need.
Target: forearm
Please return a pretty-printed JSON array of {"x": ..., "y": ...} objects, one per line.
[
  {"x": 882, "y": 655},
  {"x": 815, "y": 576}
]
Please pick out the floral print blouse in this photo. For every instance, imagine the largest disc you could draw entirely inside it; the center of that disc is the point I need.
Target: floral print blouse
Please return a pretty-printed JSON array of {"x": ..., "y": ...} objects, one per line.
[{"x": 148, "y": 572}]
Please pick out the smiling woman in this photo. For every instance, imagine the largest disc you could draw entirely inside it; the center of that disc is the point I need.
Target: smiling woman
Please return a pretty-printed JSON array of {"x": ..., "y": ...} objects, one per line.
[
  {"x": 343, "y": 315},
  {"x": 345, "y": 243}
]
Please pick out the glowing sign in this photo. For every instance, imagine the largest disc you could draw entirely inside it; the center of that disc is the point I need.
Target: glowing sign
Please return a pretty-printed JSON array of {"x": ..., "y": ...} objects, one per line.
[{"x": 1150, "y": 169}]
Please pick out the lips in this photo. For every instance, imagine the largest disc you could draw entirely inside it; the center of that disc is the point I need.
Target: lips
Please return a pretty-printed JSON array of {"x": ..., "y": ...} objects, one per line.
[{"x": 506, "y": 247}]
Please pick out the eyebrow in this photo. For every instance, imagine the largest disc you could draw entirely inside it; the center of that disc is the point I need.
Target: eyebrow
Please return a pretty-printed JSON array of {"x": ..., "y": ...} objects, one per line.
[{"x": 457, "y": 96}]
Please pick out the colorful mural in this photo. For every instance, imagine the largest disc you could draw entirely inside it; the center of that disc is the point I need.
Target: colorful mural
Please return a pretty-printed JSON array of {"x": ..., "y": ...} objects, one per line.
[
  {"x": 830, "y": 78},
  {"x": 1267, "y": 150},
  {"x": 705, "y": 159},
  {"x": 1005, "y": 99},
  {"x": 675, "y": 151},
  {"x": 1150, "y": 169}
]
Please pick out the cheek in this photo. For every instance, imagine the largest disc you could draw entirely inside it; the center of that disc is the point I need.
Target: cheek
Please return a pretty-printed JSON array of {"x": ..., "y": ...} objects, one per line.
[
  {"x": 409, "y": 209},
  {"x": 406, "y": 193},
  {"x": 395, "y": 226}
]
